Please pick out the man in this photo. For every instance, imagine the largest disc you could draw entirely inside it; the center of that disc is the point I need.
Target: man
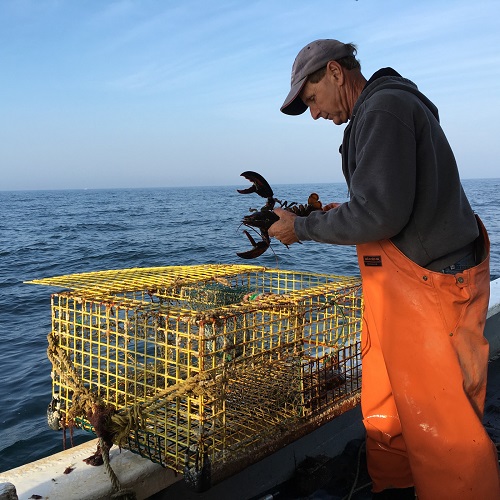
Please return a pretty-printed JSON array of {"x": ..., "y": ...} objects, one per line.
[{"x": 424, "y": 262}]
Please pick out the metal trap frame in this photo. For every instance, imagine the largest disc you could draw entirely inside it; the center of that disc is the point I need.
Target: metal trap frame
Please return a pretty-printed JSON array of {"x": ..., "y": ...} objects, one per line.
[{"x": 206, "y": 366}]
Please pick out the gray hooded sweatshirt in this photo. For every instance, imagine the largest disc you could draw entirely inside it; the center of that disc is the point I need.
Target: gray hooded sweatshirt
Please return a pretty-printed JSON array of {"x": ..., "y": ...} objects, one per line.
[{"x": 403, "y": 179}]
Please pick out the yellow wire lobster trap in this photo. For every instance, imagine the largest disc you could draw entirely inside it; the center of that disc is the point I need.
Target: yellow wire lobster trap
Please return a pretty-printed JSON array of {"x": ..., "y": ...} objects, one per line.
[{"x": 205, "y": 369}]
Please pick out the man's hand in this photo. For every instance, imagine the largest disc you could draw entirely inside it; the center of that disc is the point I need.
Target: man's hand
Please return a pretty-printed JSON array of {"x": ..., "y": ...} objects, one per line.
[{"x": 283, "y": 229}]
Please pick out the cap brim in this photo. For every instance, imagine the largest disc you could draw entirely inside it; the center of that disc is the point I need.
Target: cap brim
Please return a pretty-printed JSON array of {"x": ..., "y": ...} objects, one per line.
[{"x": 293, "y": 104}]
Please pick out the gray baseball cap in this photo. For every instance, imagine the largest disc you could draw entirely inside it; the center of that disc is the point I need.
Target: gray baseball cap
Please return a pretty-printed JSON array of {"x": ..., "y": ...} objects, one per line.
[{"x": 311, "y": 58}]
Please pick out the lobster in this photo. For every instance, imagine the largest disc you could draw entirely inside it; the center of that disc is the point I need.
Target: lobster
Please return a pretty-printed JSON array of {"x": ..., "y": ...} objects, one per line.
[{"x": 264, "y": 218}]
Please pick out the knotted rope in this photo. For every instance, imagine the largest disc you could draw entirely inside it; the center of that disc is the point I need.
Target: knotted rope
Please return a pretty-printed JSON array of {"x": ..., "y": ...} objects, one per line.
[
  {"x": 86, "y": 403},
  {"x": 109, "y": 426}
]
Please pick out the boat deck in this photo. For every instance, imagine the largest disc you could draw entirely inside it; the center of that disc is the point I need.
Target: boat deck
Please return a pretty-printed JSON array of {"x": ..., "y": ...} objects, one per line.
[{"x": 324, "y": 478}]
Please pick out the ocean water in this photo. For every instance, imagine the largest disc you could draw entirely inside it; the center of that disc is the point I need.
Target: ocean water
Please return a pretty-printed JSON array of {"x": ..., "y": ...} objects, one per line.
[{"x": 49, "y": 233}]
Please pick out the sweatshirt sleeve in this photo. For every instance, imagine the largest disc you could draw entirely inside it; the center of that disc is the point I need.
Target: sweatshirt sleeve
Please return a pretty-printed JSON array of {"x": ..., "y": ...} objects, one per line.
[{"x": 382, "y": 187}]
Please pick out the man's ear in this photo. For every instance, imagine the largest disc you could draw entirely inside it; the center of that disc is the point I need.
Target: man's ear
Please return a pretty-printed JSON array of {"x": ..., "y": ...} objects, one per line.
[{"x": 336, "y": 71}]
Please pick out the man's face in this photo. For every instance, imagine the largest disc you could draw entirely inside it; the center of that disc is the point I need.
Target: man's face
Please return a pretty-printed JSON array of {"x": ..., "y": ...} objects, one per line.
[{"x": 326, "y": 99}]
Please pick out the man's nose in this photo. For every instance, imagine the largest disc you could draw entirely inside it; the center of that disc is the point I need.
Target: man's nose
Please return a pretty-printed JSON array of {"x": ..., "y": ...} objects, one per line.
[{"x": 315, "y": 112}]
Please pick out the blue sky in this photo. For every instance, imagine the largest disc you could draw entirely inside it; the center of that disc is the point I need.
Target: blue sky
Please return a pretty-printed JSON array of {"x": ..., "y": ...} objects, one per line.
[{"x": 101, "y": 94}]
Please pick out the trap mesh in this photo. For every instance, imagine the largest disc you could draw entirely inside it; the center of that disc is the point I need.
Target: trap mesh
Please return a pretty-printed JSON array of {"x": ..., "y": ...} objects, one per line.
[{"x": 218, "y": 363}]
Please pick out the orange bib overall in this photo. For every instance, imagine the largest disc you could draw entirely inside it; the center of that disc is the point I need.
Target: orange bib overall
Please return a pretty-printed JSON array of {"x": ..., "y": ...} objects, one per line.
[{"x": 424, "y": 376}]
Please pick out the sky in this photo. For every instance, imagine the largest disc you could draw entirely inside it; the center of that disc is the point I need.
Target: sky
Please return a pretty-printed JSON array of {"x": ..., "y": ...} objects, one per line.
[{"x": 149, "y": 93}]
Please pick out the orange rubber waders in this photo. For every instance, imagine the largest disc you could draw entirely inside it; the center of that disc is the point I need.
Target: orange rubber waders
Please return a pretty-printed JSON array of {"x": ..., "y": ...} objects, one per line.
[{"x": 424, "y": 376}]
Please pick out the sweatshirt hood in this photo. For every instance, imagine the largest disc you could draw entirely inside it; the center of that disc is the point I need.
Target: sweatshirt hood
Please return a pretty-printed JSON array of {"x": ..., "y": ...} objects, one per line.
[{"x": 388, "y": 78}]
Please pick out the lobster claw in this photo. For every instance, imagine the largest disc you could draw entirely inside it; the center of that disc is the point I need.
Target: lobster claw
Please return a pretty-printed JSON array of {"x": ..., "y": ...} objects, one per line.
[
  {"x": 259, "y": 185},
  {"x": 313, "y": 202},
  {"x": 262, "y": 219},
  {"x": 257, "y": 250}
]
